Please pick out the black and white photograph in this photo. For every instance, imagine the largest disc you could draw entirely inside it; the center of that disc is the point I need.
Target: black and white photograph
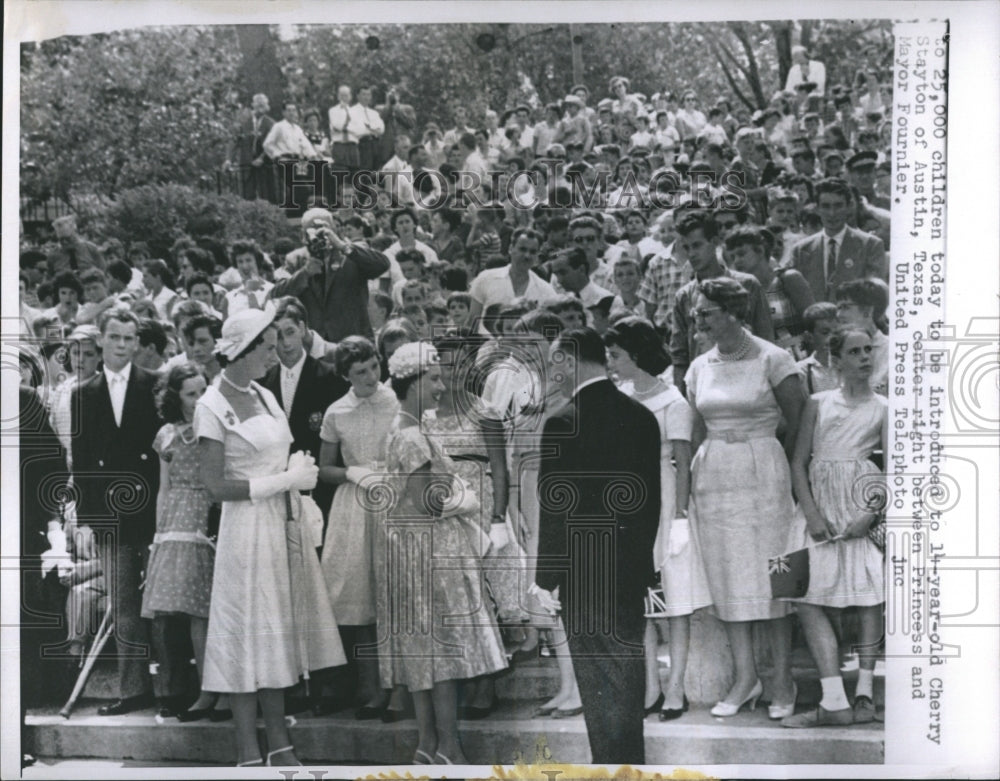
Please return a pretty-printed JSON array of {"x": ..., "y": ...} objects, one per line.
[{"x": 519, "y": 391}]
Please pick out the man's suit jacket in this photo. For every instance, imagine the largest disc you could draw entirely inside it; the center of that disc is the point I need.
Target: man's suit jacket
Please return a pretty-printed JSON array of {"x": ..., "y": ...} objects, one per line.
[
  {"x": 600, "y": 472},
  {"x": 81, "y": 252},
  {"x": 336, "y": 302},
  {"x": 861, "y": 255},
  {"x": 115, "y": 468},
  {"x": 319, "y": 386},
  {"x": 250, "y": 146},
  {"x": 41, "y": 458}
]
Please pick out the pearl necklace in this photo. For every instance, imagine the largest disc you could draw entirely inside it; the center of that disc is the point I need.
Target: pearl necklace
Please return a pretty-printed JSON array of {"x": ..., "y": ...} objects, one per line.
[
  {"x": 655, "y": 387},
  {"x": 232, "y": 384},
  {"x": 739, "y": 353}
]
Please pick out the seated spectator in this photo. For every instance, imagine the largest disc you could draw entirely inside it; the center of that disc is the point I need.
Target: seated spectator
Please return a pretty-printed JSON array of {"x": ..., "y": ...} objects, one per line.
[
  {"x": 69, "y": 292},
  {"x": 254, "y": 289}
]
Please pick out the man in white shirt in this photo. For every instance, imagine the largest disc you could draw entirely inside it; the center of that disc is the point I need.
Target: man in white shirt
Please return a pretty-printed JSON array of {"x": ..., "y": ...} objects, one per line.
[
  {"x": 516, "y": 280},
  {"x": 373, "y": 128},
  {"x": 451, "y": 137},
  {"x": 286, "y": 141},
  {"x": 804, "y": 70},
  {"x": 396, "y": 170},
  {"x": 346, "y": 131}
]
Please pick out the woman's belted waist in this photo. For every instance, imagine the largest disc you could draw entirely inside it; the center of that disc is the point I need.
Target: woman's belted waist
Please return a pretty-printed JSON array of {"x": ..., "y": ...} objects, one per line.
[
  {"x": 739, "y": 436},
  {"x": 182, "y": 537}
]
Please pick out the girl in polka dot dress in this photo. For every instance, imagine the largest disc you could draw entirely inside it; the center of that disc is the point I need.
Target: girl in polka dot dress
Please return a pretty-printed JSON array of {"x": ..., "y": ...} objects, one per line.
[{"x": 179, "y": 576}]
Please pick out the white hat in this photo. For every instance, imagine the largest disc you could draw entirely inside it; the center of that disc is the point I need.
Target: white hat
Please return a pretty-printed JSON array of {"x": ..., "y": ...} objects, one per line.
[
  {"x": 574, "y": 100},
  {"x": 241, "y": 329},
  {"x": 411, "y": 359}
]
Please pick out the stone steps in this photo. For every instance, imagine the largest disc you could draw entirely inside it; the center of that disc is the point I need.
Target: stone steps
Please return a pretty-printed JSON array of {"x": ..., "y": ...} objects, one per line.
[{"x": 508, "y": 735}]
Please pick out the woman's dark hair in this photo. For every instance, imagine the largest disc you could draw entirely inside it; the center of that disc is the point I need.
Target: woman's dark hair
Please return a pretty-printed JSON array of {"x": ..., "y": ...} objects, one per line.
[
  {"x": 212, "y": 323},
  {"x": 159, "y": 269},
  {"x": 407, "y": 211},
  {"x": 200, "y": 260},
  {"x": 120, "y": 270},
  {"x": 729, "y": 294},
  {"x": 352, "y": 350},
  {"x": 454, "y": 279},
  {"x": 67, "y": 279},
  {"x": 869, "y": 292},
  {"x": 638, "y": 337},
  {"x": 401, "y": 386},
  {"x": 838, "y": 337},
  {"x": 460, "y": 350},
  {"x": 247, "y": 247},
  {"x": 168, "y": 390},
  {"x": 198, "y": 279}
]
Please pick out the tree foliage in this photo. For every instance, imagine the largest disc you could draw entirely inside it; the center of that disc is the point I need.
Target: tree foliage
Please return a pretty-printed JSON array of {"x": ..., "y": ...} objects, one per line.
[{"x": 106, "y": 112}]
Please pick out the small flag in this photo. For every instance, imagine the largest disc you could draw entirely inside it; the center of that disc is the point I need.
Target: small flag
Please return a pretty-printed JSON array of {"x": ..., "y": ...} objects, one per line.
[{"x": 789, "y": 574}]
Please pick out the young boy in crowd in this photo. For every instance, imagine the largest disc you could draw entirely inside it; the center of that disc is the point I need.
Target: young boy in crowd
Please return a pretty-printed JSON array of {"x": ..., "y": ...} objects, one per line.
[
  {"x": 459, "y": 304},
  {"x": 438, "y": 319},
  {"x": 817, "y": 373},
  {"x": 569, "y": 309},
  {"x": 379, "y": 309}
]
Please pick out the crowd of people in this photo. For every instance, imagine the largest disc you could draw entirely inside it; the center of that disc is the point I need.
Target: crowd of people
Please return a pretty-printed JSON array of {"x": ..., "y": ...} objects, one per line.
[{"x": 364, "y": 470}]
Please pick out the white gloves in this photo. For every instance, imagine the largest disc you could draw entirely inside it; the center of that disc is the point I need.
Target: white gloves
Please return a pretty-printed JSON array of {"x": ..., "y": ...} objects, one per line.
[
  {"x": 680, "y": 536},
  {"x": 357, "y": 474},
  {"x": 499, "y": 536},
  {"x": 301, "y": 475}
]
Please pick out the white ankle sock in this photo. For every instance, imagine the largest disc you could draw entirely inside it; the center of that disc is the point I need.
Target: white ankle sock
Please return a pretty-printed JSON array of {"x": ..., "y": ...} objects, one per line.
[
  {"x": 834, "y": 697},
  {"x": 865, "y": 678}
]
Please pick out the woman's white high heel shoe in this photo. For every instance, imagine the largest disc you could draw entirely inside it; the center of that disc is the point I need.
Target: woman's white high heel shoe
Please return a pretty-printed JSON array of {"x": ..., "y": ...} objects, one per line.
[
  {"x": 728, "y": 709},
  {"x": 778, "y": 711}
]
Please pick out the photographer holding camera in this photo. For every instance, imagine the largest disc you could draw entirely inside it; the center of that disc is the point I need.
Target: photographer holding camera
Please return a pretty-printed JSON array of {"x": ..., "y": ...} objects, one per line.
[{"x": 333, "y": 283}]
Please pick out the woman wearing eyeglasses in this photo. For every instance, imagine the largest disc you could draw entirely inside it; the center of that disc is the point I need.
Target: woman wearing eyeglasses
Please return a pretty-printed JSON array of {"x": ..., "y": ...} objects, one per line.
[{"x": 741, "y": 498}]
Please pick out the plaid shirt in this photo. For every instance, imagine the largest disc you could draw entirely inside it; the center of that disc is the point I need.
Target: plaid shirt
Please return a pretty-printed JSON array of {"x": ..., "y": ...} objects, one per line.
[
  {"x": 687, "y": 343},
  {"x": 664, "y": 277}
]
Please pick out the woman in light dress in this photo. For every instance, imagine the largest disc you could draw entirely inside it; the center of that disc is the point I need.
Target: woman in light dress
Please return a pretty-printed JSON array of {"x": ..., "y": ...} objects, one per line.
[
  {"x": 258, "y": 641},
  {"x": 355, "y": 429},
  {"x": 637, "y": 356},
  {"x": 433, "y": 520},
  {"x": 741, "y": 485}
]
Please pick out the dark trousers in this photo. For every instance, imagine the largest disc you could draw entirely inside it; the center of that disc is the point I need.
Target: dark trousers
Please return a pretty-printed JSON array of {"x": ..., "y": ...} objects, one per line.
[
  {"x": 610, "y": 673},
  {"x": 123, "y": 565},
  {"x": 258, "y": 182}
]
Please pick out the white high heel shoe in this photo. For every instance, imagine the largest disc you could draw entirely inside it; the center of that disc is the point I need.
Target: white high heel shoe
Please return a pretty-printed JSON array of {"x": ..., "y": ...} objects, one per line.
[
  {"x": 778, "y": 711},
  {"x": 723, "y": 708}
]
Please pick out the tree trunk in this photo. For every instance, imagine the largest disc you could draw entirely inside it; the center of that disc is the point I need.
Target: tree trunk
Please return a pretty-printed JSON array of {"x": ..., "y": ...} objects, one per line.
[{"x": 783, "y": 43}]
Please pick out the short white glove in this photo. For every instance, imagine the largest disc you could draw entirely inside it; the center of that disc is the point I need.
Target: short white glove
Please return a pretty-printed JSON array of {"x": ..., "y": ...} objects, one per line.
[
  {"x": 298, "y": 459},
  {"x": 304, "y": 478},
  {"x": 357, "y": 474},
  {"x": 680, "y": 536},
  {"x": 498, "y": 536}
]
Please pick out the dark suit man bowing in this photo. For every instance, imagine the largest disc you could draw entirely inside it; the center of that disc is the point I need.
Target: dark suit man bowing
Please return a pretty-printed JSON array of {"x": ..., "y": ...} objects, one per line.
[
  {"x": 303, "y": 386},
  {"x": 599, "y": 492},
  {"x": 117, "y": 474}
]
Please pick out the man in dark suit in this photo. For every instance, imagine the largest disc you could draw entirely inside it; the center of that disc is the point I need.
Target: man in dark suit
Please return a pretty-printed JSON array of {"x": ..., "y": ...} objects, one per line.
[
  {"x": 333, "y": 283},
  {"x": 117, "y": 474},
  {"x": 599, "y": 492},
  {"x": 303, "y": 386},
  {"x": 255, "y": 167},
  {"x": 838, "y": 253},
  {"x": 74, "y": 253}
]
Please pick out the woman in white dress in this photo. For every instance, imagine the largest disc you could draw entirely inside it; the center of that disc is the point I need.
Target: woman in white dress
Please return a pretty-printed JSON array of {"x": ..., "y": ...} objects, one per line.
[
  {"x": 637, "y": 356},
  {"x": 253, "y": 650}
]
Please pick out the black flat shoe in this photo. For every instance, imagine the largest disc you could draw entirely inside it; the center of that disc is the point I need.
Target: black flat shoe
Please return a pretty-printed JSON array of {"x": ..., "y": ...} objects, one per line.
[
  {"x": 474, "y": 713},
  {"x": 656, "y": 705},
  {"x": 394, "y": 715},
  {"x": 369, "y": 712},
  {"x": 669, "y": 714},
  {"x": 194, "y": 715},
  {"x": 220, "y": 714},
  {"x": 127, "y": 705}
]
